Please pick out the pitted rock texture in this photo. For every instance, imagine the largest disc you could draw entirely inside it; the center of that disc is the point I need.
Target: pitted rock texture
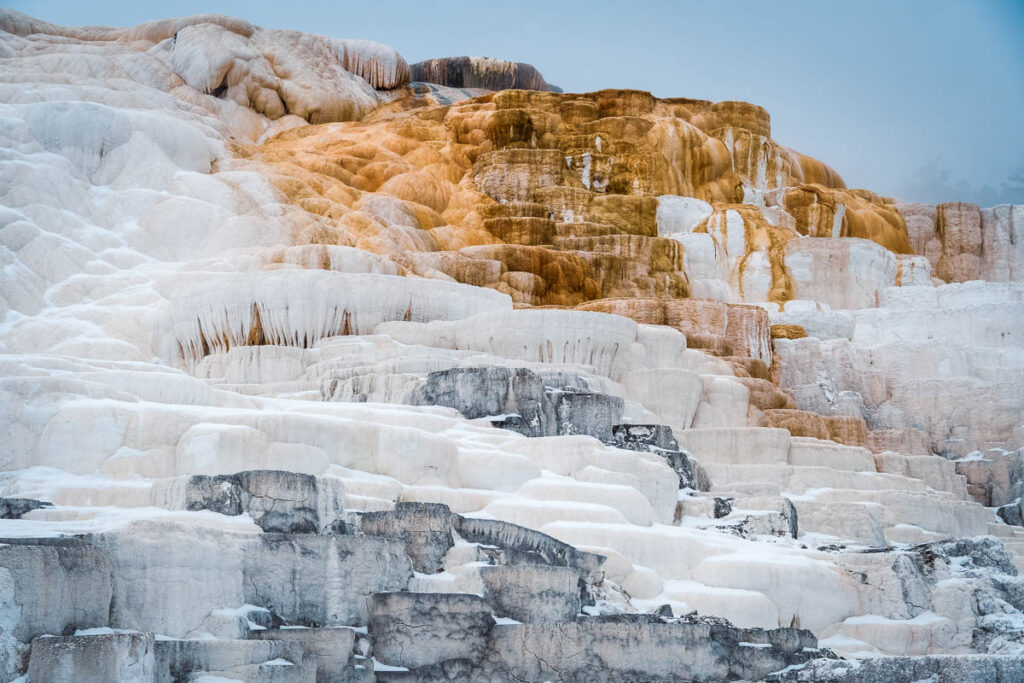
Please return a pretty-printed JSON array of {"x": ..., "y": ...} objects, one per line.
[
  {"x": 523, "y": 545},
  {"x": 659, "y": 439},
  {"x": 935, "y": 668},
  {"x": 277, "y": 501},
  {"x": 425, "y": 529},
  {"x": 14, "y": 508},
  {"x": 618, "y": 650},
  {"x": 533, "y": 593},
  {"x": 524, "y": 401},
  {"x": 127, "y": 657},
  {"x": 422, "y": 629}
]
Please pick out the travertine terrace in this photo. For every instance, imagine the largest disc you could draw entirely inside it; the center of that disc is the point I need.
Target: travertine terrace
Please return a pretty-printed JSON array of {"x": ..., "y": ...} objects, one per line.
[{"x": 322, "y": 366}]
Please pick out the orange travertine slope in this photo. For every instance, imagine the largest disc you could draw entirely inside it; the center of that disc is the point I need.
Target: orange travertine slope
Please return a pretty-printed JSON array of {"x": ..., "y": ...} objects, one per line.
[
  {"x": 316, "y": 365},
  {"x": 552, "y": 198}
]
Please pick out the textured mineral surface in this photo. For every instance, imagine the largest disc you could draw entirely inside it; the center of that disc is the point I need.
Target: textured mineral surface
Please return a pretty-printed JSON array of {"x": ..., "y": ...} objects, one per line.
[{"x": 321, "y": 366}]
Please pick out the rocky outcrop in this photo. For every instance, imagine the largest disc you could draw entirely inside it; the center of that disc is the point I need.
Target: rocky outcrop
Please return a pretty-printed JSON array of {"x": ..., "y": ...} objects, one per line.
[
  {"x": 884, "y": 669},
  {"x": 120, "y": 657},
  {"x": 533, "y": 593},
  {"x": 480, "y": 72},
  {"x": 965, "y": 242},
  {"x": 15, "y": 508},
  {"x": 277, "y": 501},
  {"x": 994, "y": 477},
  {"x": 288, "y": 574},
  {"x": 524, "y": 401},
  {"x": 658, "y": 439},
  {"x": 264, "y": 301},
  {"x": 525, "y": 546},
  {"x": 335, "y": 650},
  {"x": 593, "y": 648},
  {"x": 425, "y": 529},
  {"x": 178, "y": 660},
  {"x": 420, "y": 630},
  {"x": 52, "y": 587}
]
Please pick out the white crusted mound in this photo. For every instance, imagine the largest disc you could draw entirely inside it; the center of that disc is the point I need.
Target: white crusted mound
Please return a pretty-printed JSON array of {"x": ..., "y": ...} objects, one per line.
[{"x": 158, "y": 320}]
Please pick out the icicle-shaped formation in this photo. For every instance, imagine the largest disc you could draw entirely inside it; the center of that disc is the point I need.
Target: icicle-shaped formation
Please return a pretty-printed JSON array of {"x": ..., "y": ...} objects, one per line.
[
  {"x": 603, "y": 342},
  {"x": 377, "y": 64},
  {"x": 298, "y": 308}
]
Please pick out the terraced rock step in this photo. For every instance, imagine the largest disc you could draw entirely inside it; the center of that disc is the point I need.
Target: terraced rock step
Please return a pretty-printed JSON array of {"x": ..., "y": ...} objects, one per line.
[{"x": 311, "y": 371}]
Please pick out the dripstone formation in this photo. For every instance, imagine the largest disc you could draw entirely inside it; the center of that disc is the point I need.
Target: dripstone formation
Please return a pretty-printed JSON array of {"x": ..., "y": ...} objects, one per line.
[{"x": 319, "y": 366}]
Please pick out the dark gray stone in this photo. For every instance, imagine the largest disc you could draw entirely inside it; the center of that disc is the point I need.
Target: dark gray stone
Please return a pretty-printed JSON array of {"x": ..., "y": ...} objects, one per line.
[
  {"x": 424, "y": 629},
  {"x": 14, "y": 508},
  {"x": 333, "y": 648},
  {"x": 723, "y": 507},
  {"x": 588, "y": 413},
  {"x": 319, "y": 580},
  {"x": 533, "y": 593},
  {"x": 486, "y": 391},
  {"x": 663, "y": 611},
  {"x": 466, "y": 72},
  {"x": 59, "y": 585},
  {"x": 935, "y": 668},
  {"x": 531, "y": 403},
  {"x": 176, "y": 660},
  {"x": 107, "y": 658},
  {"x": 219, "y": 493},
  {"x": 525, "y": 546},
  {"x": 790, "y": 513},
  {"x": 1012, "y": 513},
  {"x": 647, "y": 437},
  {"x": 424, "y": 528},
  {"x": 691, "y": 473},
  {"x": 980, "y": 553},
  {"x": 658, "y": 439},
  {"x": 278, "y": 501},
  {"x": 603, "y": 650}
]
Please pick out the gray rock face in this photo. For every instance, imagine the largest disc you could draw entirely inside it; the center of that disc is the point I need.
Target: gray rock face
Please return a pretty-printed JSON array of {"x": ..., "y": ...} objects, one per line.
[
  {"x": 424, "y": 528},
  {"x": 983, "y": 552},
  {"x": 52, "y": 586},
  {"x": 14, "y": 508},
  {"x": 996, "y": 479},
  {"x": 474, "y": 72},
  {"x": 108, "y": 658},
  {"x": 658, "y": 439},
  {"x": 278, "y": 501},
  {"x": 525, "y": 546},
  {"x": 333, "y": 648},
  {"x": 313, "y": 580},
  {"x": 530, "y": 403},
  {"x": 982, "y": 569},
  {"x": 691, "y": 473},
  {"x": 176, "y": 660},
  {"x": 1012, "y": 513},
  {"x": 614, "y": 650},
  {"x": 579, "y": 412},
  {"x": 483, "y": 391},
  {"x": 533, "y": 593},
  {"x": 651, "y": 438},
  {"x": 940, "y": 668},
  {"x": 423, "y": 629},
  {"x": 790, "y": 513}
]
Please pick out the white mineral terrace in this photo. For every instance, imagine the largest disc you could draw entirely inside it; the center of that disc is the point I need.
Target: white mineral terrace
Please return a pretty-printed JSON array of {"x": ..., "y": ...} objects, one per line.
[{"x": 160, "y": 320}]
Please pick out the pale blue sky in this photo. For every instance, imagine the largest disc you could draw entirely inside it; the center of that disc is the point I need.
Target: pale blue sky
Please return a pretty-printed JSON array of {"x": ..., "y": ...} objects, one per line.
[{"x": 879, "y": 90}]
